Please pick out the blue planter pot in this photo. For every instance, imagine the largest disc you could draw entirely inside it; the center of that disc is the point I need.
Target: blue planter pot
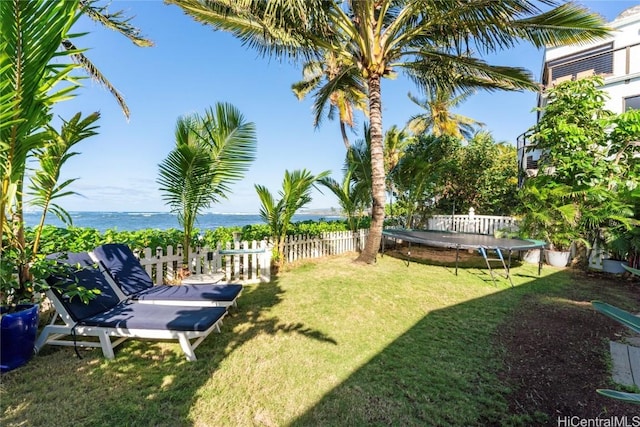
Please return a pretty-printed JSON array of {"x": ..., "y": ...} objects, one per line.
[
  {"x": 613, "y": 266},
  {"x": 17, "y": 336}
]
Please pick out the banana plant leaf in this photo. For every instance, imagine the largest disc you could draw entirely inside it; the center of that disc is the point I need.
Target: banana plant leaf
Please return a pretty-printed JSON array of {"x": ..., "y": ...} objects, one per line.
[
  {"x": 624, "y": 317},
  {"x": 632, "y": 270},
  {"x": 630, "y": 321},
  {"x": 621, "y": 395}
]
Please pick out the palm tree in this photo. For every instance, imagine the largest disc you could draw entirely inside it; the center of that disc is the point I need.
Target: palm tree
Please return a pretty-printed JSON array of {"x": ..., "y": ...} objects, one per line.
[
  {"x": 350, "y": 200},
  {"x": 431, "y": 40},
  {"x": 295, "y": 194},
  {"x": 31, "y": 82},
  {"x": 211, "y": 152},
  {"x": 439, "y": 118},
  {"x": 342, "y": 93},
  {"x": 396, "y": 142}
]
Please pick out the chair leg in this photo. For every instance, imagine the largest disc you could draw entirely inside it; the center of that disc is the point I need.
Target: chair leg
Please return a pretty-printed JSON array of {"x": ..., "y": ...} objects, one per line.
[
  {"x": 185, "y": 344},
  {"x": 42, "y": 340},
  {"x": 105, "y": 342}
]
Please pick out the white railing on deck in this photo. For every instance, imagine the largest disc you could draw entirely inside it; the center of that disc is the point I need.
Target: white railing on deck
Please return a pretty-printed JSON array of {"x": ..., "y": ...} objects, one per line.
[
  {"x": 472, "y": 223},
  {"x": 241, "y": 262}
]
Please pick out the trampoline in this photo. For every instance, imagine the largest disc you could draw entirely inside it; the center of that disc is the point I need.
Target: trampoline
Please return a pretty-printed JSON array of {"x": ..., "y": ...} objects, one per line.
[{"x": 457, "y": 241}]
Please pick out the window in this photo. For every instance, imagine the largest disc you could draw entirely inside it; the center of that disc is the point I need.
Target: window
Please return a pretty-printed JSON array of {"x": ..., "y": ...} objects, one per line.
[
  {"x": 632, "y": 103},
  {"x": 598, "y": 60},
  {"x": 532, "y": 164}
]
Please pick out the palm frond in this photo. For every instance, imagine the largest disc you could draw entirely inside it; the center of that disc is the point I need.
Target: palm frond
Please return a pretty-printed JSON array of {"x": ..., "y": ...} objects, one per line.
[
  {"x": 114, "y": 21},
  {"x": 232, "y": 142},
  {"x": 568, "y": 23},
  {"x": 45, "y": 186},
  {"x": 93, "y": 71}
]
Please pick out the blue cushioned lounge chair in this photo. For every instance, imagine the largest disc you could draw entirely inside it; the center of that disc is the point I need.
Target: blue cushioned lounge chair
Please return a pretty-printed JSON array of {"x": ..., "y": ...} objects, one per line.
[
  {"x": 108, "y": 316},
  {"x": 134, "y": 282}
]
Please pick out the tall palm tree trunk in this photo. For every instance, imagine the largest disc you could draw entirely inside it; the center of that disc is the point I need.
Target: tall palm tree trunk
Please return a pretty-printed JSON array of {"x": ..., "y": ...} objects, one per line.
[{"x": 370, "y": 251}]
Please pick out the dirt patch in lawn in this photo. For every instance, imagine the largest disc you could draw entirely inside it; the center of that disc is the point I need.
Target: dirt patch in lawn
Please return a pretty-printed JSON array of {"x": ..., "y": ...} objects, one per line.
[
  {"x": 556, "y": 346},
  {"x": 557, "y": 351}
]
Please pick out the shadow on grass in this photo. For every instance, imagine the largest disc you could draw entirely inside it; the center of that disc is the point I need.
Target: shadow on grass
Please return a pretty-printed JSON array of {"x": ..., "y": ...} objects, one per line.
[
  {"x": 88, "y": 391},
  {"x": 468, "y": 260},
  {"x": 445, "y": 370},
  {"x": 434, "y": 374}
]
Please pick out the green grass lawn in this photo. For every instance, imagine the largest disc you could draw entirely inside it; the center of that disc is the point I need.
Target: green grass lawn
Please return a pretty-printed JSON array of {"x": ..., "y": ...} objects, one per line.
[{"x": 328, "y": 342}]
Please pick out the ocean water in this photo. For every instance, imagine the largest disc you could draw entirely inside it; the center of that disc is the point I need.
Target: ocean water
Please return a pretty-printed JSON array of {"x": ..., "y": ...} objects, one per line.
[{"x": 131, "y": 221}]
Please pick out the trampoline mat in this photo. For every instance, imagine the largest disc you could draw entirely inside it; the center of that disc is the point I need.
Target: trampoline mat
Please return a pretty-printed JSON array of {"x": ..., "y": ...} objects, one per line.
[{"x": 445, "y": 239}]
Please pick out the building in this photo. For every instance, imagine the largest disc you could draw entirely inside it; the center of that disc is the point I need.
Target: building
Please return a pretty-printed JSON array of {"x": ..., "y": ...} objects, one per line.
[{"x": 616, "y": 59}]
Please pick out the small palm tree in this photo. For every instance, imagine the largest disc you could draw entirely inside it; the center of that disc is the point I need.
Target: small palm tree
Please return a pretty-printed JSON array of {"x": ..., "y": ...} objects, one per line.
[
  {"x": 351, "y": 202},
  {"x": 396, "y": 142},
  {"x": 212, "y": 151},
  {"x": 439, "y": 119},
  {"x": 358, "y": 162},
  {"x": 295, "y": 194}
]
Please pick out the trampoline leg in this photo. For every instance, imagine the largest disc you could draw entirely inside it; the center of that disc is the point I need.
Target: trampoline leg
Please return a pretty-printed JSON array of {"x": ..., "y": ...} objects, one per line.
[
  {"x": 540, "y": 261},
  {"x": 457, "y": 249},
  {"x": 483, "y": 252},
  {"x": 507, "y": 270}
]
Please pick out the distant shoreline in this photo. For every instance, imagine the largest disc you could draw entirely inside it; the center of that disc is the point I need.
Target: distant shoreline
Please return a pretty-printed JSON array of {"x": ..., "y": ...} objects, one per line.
[
  {"x": 133, "y": 221},
  {"x": 327, "y": 211}
]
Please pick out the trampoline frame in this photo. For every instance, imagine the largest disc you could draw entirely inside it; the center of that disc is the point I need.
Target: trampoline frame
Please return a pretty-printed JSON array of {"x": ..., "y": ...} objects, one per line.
[{"x": 483, "y": 243}]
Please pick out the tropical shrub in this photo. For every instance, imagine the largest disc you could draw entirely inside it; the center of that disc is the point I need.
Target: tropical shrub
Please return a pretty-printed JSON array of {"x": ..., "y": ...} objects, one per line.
[
  {"x": 440, "y": 174},
  {"x": 588, "y": 168}
]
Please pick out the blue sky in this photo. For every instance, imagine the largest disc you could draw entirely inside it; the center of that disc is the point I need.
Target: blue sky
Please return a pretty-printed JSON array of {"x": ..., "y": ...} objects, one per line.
[{"x": 192, "y": 67}]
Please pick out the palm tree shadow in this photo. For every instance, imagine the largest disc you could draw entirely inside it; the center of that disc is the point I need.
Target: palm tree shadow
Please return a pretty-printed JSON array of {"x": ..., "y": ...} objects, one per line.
[
  {"x": 168, "y": 385},
  {"x": 250, "y": 311}
]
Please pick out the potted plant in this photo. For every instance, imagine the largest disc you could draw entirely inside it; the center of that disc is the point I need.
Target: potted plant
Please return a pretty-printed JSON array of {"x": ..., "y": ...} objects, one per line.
[
  {"x": 549, "y": 215},
  {"x": 19, "y": 311},
  {"x": 617, "y": 245},
  {"x": 559, "y": 252}
]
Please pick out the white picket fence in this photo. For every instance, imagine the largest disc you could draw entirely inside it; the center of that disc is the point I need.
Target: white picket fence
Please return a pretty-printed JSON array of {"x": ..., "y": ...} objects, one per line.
[
  {"x": 250, "y": 262},
  {"x": 472, "y": 223},
  {"x": 245, "y": 262},
  {"x": 329, "y": 243}
]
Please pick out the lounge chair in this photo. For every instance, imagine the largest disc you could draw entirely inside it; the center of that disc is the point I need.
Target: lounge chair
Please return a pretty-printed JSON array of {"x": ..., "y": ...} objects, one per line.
[
  {"x": 134, "y": 282},
  {"x": 108, "y": 316}
]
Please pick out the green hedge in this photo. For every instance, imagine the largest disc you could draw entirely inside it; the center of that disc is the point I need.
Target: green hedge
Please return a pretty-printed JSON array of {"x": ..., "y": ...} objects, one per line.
[{"x": 80, "y": 239}]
